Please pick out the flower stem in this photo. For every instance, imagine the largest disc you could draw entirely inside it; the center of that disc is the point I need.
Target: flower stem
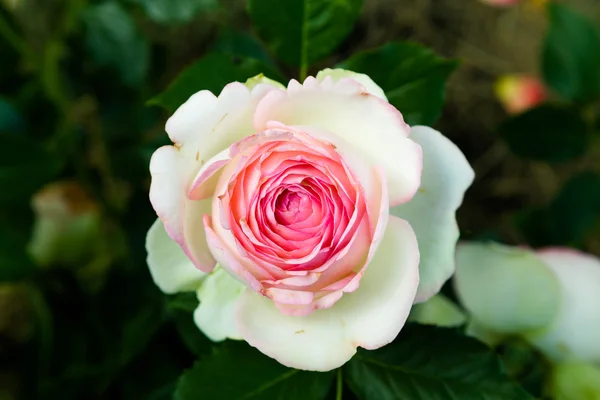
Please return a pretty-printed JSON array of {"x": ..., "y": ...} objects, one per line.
[{"x": 303, "y": 72}]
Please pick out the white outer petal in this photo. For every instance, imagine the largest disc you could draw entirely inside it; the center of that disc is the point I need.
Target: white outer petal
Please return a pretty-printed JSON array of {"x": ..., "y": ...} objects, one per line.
[
  {"x": 201, "y": 127},
  {"x": 506, "y": 289},
  {"x": 365, "y": 80},
  {"x": 215, "y": 314},
  {"x": 575, "y": 332},
  {"x": 207, "y": 124},
  {"x": 168, "y": 197},
  {"x": 446, "y": 176},
  {"x": 192, "y": 117},
  {"x": 370, "y": 317},
  {"x": 171, "y": 270}
]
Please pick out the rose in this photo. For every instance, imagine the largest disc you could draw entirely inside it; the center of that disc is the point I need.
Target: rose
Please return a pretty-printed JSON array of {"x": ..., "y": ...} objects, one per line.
[
  {"x": 288, "y": 191},
  {"x": 549, "y": 297}
]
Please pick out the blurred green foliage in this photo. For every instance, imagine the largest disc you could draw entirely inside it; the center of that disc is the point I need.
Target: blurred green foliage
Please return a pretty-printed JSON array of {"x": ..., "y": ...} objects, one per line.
[
  {"x": 79, "y": 84},
  {"x": 563, "y": 130}
]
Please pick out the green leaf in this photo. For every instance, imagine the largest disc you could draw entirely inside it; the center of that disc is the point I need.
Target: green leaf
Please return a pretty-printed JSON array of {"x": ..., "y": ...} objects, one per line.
[
  {"x": 237, "y": 371},
  {"x": 24, "y": 167},
  {"x": 412, "y": 77},
  {"x": 164, "y": 393},
  {"x": 187, "y": 301},
  {"x": 212, "y": 73},
  {"x": 430, "y": 363},
  {"x": 114, "y": 41},
  {"x": 576, "y": 208},
  {"x": 525, "y": 364},
  {"x": 547, "y": 133},
  {"x": 571, "y": 54},
  {"x": 189, "y": 333},
  {"x": 301, "y": 32},
  {"x": 237, "y": 43},
  {"x": 175, "y": 11},
  {"x": 181, "y": 307}
]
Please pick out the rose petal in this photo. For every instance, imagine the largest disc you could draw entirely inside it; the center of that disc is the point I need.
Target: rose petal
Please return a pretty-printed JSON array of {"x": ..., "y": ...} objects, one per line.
[
  {"x": 189, "y": 119},
  {"x": 431, "y": 213},
  {"x": 171, "y": 270},
  {"x": 218, "y": 296},
  {"x": 575, "y": 331},
  {"x": 370, "y": 317},
  {"x": 195, "y": 245},
  {"x": 206, "y": 124},
  {"x": 206, "y": 178},
  {"x": 339, "y": 73},
  {"x": 201, "y": 127},
  {"x": 231, "y": 260},
  {"x": 167, "y": 196},
  {"x": 374, "y": 127},
  {"x": 167, "y": 189},
  {"x": 506, "y": 289}
]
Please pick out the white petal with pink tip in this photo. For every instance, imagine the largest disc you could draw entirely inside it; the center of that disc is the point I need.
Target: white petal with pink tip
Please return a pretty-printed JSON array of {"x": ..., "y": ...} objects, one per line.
[{"x": 370, "y": 317}]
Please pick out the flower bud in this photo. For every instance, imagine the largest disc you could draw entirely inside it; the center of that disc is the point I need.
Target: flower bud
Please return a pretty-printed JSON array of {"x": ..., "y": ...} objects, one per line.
[
  {"x": 67, "y": 225},
  {"x": 519, "y": 93}
]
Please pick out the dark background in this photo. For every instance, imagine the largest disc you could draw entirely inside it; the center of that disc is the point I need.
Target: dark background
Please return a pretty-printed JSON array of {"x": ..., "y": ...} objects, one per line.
[{"x": 86, "y": 321}]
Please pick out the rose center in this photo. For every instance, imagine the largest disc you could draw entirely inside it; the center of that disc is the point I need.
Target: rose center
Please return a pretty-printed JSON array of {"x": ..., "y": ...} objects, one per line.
[{"x": 291, "y": 206}]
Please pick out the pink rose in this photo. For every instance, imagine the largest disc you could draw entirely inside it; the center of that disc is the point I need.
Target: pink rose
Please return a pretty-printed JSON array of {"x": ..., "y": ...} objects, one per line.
[{"x": 283, "y": 197}]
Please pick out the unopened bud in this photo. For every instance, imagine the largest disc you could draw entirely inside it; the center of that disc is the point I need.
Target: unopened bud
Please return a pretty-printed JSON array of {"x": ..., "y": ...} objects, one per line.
[
  {"x": 67, "y": 225},
  {"x": 519, "y": 93}
]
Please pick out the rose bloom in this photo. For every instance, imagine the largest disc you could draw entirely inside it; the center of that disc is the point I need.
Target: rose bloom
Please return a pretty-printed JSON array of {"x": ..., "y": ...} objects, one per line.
[
  {"x": 303, "y": 216},
  {"x": 549, "y": 297}
]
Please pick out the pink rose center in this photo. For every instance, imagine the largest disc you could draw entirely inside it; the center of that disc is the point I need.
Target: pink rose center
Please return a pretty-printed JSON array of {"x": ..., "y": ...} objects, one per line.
[
  {"x": 292, "y": 206},
  {"x": 293, "y": 202},
  {"x": 298, "y": 218}
]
